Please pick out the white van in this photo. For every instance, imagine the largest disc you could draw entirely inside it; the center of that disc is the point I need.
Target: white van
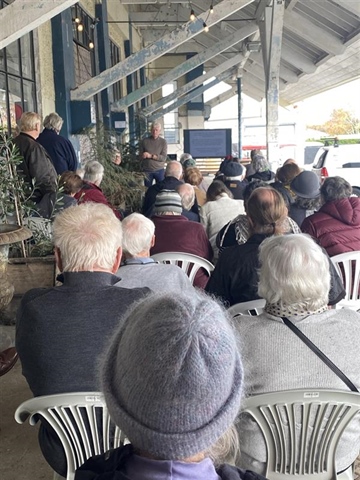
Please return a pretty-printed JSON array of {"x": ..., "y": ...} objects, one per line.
[{"x": 342, "y": 161}]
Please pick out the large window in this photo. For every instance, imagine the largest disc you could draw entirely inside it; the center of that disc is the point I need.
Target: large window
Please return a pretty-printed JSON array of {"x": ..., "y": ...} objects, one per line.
[
  {"x": 83, "y": 35},
  {"x": 171, "y": 127},
  {"x": 17, "y": 79},
  {"x": 115, "y": 58}
]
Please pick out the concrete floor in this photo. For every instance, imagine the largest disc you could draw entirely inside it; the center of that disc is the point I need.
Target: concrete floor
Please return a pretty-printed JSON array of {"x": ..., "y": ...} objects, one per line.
[{"x": 20, "y": 455}]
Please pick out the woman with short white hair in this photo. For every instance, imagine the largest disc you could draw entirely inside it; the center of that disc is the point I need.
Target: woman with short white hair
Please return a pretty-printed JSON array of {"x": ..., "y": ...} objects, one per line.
[{"x": 295, "y": 282}]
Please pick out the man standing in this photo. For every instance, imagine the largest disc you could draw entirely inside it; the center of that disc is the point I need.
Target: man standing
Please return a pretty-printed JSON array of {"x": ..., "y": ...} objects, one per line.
[
  {"x": 153, "y": 153},
  {"x": 61, "y": 331},
  {"x": 37, "y": 168},
  {"x": 59, "y": 148}
]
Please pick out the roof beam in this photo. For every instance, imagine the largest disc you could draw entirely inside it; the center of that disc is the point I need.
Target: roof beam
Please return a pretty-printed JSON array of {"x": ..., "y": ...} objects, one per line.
[
  {"x": 353, "y": 7},
  {"x": 222, "y": 97},
  {"x": 285, "y": 73},
  {"x": 23, "y": 16},
  {"x": 299, "y": 61},
  {"x": 231, "y": 62},
  {"x": 185, "y": 67},
  {"x": 187, "y": 98},
  {"x": 310, "y": 32},
  {"x": 156, "y": 50}
]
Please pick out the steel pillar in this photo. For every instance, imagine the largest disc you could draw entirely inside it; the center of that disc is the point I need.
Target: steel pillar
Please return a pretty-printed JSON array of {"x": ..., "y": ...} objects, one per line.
[{"x": 273, "y": 19}]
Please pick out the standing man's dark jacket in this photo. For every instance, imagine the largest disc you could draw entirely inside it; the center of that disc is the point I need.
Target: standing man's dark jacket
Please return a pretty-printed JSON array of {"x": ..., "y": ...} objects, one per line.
[
  {"x": 36, "y": 167},
  {"x": 60, "y": 334},
  {"x": 60, "y": 149}
]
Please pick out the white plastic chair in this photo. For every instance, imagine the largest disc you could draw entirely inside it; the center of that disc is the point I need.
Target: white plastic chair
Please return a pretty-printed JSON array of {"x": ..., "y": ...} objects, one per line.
[
  {"x": 81, "y": 421},
  {"x": 301, "y": 429},
  {"x": 348, "y": 267},
  {"x": 254, "y": 307},
  {"x": 186, "y": 261}
]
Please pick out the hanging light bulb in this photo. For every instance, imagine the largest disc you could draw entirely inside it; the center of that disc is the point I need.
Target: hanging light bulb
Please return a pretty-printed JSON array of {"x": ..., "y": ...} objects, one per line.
[
  {"x": 206, "y": 28},
  {"x": 211, "y": 8},
  {"x": 91, "y": 45},
  {"x": 77, "y": 20},
  {"x": 192, "y": 15},
  {"x": 80, "y": 27}
]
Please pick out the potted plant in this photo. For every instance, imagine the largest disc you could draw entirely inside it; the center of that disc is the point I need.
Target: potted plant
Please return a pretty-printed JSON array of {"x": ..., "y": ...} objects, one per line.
[{"x": 18, "y": 266}]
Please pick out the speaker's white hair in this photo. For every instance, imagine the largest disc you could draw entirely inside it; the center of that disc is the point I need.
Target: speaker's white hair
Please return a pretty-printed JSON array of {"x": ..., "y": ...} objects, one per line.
[
  {"x": 88, "y": 237},
  {"x": 294, "y": 271}
]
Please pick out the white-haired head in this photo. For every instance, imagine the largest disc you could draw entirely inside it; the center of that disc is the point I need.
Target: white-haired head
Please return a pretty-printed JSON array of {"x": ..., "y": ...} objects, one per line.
[
  {"x": 174, "y": 169},
  {"x": 30, "y": 122},
  {"x": 187, "y": 194},
  {"x": 155, "y": 129},
  {"x": 94, "y": 172},
  {"x": 87, "y": 237},
  {"x": 138, "y": 235},
  {"x": 53, "y": 121},
  {"x": 294, "y": 272}
]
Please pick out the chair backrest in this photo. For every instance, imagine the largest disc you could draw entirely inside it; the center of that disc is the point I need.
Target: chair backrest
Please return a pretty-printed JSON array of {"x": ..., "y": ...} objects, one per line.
[
  {"x": 348, "y": 267},
  {"x": 186, "y": 261},
  {"x": 81, "y": 421},
  {"x": 301, "y": 429},
  {"x": 254, "y": 307}
]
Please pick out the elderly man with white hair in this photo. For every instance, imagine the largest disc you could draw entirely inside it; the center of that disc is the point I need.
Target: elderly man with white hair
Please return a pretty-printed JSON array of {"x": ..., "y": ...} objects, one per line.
[
  {"x": 61, "y": 331},
  {"x": 91, "y": 191},
  {"x": 295, "y": 282},
  {"x": 138, "y": 268},
  {"x": 36, "y": 167},
  {"x": 153, "y": 153},
  {"x": 59, "y": 148}
]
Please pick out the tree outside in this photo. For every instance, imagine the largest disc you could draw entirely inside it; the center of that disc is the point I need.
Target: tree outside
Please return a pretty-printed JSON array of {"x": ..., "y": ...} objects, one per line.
[{"x": 341, "y": 122}]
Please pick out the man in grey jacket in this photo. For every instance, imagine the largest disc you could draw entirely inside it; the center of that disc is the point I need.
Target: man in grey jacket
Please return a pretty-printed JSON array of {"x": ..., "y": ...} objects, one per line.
[
  {"x": 61, "y": 331},
  {"x": 138, "y": 268}
]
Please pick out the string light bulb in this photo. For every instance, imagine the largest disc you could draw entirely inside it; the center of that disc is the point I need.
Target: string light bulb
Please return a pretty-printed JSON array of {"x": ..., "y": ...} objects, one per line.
[
  {"x": 192, "y": 15},
  {"x": 91, "y": 45},
  {"x": 77, "y": 20},
  {"x": 206, "y": 28},
  {"x": 80, "y": 27},
  {"x": 211, "y": 8}
]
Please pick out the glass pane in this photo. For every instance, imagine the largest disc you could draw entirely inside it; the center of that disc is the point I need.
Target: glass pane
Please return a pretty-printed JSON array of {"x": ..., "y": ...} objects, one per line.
[
  {"x": 2, "y": 60},
  {"x": 16, "y": 109},
  {"x": 29, "y": 96},
  {"x": 26, "y": 57},
  {"x": 12, "y": 58},
  {"x": 3, "y": 107}
]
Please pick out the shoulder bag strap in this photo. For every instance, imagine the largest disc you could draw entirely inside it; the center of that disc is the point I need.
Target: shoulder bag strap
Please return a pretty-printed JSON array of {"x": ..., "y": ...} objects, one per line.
[{"x": 320, "y": 354}]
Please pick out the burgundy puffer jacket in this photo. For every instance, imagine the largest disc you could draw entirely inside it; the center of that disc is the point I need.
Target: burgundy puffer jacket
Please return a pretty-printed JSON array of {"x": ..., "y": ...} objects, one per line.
[{"x": 336, "y": 226}]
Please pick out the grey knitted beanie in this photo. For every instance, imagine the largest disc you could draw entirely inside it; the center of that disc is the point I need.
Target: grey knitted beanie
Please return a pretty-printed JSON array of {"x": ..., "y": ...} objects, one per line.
[
  {"x": 173, "y": 377},
  {"x": 167, "y": 201}
]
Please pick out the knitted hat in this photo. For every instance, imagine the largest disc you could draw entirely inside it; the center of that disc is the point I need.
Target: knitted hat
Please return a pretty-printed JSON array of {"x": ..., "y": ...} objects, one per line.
[
  {"x": 233, "y": 169},
  {"x": 306, "y": 185},
  {"x": 190, "y": 162},
  {"x": 168, "y": 201},
  {"x": 173, "y": 377}
]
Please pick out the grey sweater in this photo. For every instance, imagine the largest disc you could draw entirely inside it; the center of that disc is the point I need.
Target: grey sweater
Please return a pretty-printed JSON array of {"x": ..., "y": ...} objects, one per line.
[
  {"x": 157, "y": 147},
  {"x": 276, "y": 359}
]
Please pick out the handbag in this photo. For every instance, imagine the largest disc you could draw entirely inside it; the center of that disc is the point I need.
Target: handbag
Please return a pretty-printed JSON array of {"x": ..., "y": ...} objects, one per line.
[{"x": 320, "y": 354}]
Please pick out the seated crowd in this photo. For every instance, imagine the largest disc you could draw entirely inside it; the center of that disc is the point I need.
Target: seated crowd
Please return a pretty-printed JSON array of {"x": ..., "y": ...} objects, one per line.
[{"x": 172, "y": 364}]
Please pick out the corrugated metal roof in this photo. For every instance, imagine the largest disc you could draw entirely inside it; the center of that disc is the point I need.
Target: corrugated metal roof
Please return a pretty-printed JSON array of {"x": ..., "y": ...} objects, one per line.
[{"x": 320, "y": 48}]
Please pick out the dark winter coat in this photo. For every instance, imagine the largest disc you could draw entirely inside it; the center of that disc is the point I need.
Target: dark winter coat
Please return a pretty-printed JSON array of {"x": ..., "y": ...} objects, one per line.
[
  {"x": 60, "y": 149},
  {"x": 336, "y": 226}
]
